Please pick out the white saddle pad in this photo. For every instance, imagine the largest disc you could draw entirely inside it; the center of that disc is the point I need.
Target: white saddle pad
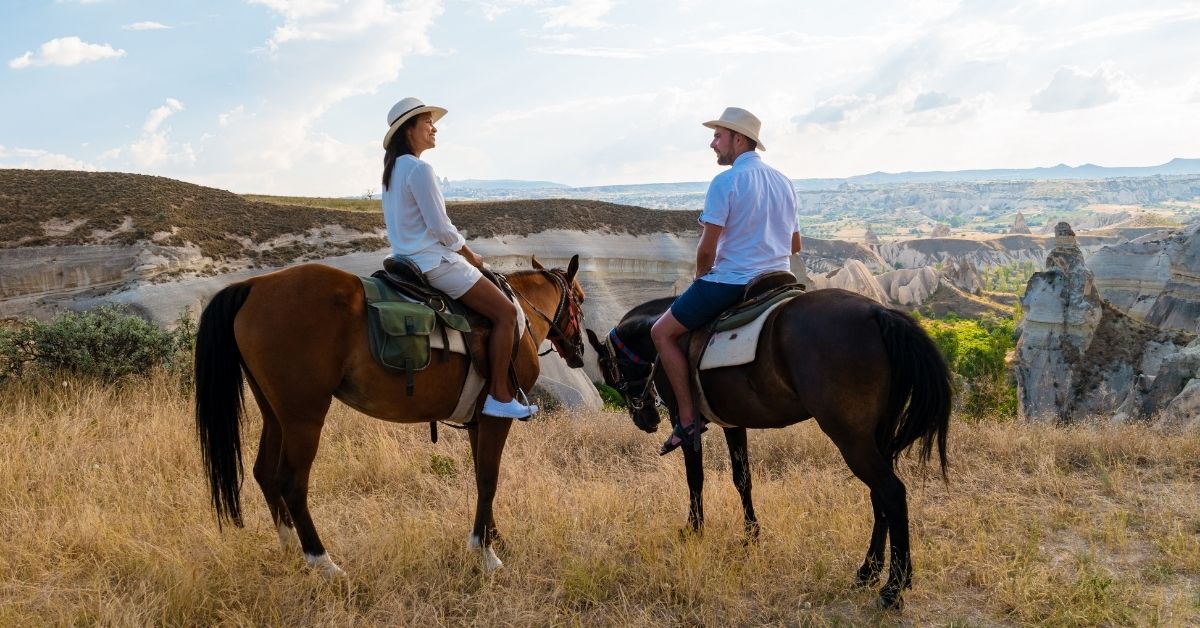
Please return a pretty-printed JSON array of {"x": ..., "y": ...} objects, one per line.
[{"x": 735, "y": 346}]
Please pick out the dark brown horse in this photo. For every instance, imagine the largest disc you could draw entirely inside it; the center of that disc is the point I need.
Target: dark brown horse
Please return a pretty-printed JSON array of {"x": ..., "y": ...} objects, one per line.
[
  {"x": 869, "y": 375},
  {"x": 300, "y": 337}
]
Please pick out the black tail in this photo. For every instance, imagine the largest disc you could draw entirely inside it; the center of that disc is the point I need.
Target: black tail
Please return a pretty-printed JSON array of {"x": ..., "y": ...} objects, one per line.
[
  {"x": 219, "y": 404},
  {"x": 921, "y": 389}
]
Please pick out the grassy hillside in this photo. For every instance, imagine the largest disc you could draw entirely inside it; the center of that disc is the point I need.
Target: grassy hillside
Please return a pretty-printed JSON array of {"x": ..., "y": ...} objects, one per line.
[
  {"x": 106, "y": 518},
  {"x": 53, "y": 207}
]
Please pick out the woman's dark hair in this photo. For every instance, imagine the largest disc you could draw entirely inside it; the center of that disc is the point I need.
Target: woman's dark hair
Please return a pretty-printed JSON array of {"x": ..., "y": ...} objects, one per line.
[{"x": 397, "y": 147}]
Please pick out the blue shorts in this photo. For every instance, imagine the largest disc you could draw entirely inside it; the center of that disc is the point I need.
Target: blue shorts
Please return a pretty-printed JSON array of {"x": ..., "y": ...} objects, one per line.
[{"x": 704, "y": 301}]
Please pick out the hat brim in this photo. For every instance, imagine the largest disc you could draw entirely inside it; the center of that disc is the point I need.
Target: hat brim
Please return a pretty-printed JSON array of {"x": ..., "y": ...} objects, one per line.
[
  {"x": 712, "y": 124},
  {"x": 438, "y": 112}
]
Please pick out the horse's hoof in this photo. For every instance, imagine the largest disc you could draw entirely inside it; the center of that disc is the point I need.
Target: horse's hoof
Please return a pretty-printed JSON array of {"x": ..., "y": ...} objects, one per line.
[
  {"x": 752, "y": 534},
  {"x": 325, "y": 565},
  {"x": 862, "y": 581},
  {"x": 890, "y": 602},
  {"x": 491, "y": 562}
]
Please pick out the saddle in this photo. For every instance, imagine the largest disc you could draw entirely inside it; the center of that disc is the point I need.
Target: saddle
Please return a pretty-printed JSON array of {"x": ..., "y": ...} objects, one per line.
[
  {"x": 408, "y": 317},
  {"x": 732, "y": 338}
]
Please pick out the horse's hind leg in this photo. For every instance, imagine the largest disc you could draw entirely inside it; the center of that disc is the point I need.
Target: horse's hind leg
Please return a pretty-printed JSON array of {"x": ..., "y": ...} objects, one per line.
[
  {"x": 267, "y": 468},
  {"x": 868, "y": 574},
  {"x": 492, "y": 433},
  {"x": 875, "y": 470},
  {"x": 300, "y": 439},
  {"x": 739, "y": 461}
]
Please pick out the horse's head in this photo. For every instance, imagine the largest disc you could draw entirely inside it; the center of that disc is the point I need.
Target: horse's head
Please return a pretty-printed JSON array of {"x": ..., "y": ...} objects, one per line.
[
  {"x": 632, "y": 377},
  {"x": 566, "y": 325}
]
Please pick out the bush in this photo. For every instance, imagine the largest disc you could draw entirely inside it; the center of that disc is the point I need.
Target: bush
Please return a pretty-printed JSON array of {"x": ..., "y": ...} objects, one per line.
[
  {"x": 612, "y": 398},
  {"x": 976, "y": 351},
  {"x": 107, "y": 343}
]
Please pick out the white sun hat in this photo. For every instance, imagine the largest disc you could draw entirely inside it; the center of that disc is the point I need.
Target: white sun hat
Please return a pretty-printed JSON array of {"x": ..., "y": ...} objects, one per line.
[
  {"x": 740, "y": 120},
  {"x": 405, "y": 109}
]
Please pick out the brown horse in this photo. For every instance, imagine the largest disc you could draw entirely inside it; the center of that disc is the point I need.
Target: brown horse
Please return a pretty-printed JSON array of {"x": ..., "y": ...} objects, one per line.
[
  {"x": 300, "y": 337},
  {"x": 869, "y": 375}
]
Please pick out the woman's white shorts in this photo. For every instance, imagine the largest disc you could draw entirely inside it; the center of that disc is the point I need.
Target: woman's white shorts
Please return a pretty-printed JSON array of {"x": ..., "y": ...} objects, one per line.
[{"x": 454, "y": 278}]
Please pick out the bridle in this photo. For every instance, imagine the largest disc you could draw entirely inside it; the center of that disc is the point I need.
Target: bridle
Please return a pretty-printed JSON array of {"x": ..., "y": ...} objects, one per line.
[
  {"x": 568, "y": 308},
  {"x": 627, "y": 357}
]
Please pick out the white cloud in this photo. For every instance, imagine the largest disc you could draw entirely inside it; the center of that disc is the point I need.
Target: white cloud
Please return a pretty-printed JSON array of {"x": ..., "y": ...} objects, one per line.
[
  {"x": 949, "y": 109},
  {"x": 154, "y": 148},
  {"x": 926, "y": 101},
  {"x": 145, "y": 26},
  {"x": 493, "y": 10},
  {"x": 604, "y": 53},
  {"x": 578, "y": 14},
  {"x": 159, "y": 114},
  {"x": 38, "y": 159},
  {"x": 574, "y": 107},
  {"x": 65, "y": 51},
  {"x": 1071, "y": 89},
  {"x": 834, "y": 111},
  {"x": 224, "y": 119}
]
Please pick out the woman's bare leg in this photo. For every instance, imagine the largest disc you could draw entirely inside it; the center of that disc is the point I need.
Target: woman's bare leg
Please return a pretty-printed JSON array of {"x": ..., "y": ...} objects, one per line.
[{"x": 485, "y": 298}]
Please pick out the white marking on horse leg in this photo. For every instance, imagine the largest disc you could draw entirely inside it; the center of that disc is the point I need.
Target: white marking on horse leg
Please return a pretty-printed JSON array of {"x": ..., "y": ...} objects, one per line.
[
  {"x": 325, "y": 565},
  {"x": 288, "y": 539},
  {"x": 491, "y": 562}
]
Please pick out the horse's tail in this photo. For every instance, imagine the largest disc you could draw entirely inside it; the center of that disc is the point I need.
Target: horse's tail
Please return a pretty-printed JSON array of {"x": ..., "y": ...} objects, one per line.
[
  {"x": 919, "y": 408},
  {"x": 219, "y": 406}
]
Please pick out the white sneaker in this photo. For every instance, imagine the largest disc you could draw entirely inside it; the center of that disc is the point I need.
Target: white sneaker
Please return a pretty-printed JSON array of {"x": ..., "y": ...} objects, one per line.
[{"x": 511, "y": 410}]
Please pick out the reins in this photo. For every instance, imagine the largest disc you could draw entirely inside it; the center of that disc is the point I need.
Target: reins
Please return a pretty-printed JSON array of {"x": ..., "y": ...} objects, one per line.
[{"x": 566, "y": 304}]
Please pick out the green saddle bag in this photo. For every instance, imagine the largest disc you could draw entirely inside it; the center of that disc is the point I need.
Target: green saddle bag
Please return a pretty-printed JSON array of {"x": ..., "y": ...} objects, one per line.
[{"x": 400, "y": 330}]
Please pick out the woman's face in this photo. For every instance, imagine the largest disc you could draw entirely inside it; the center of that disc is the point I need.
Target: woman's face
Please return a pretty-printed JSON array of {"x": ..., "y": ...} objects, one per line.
[{"x": 422, "y": 135}]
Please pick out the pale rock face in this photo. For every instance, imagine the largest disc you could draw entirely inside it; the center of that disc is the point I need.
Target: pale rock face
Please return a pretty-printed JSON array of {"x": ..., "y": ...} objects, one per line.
[
  {"x": 1178, "y": 307},
  {"x": 1019, "y": 225},
  {"x": 1062, "y": 310},
  {"x": 909, "y": 286},
  {"x": 1079, "y": 357},
  {"x": 1131, "y": 276},
  {"x": 964, "y": 276},
  {"x": 855, "y": 277}
]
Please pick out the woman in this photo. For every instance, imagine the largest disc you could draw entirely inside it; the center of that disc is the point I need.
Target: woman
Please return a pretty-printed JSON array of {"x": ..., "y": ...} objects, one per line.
[{"x": 419, "y": 228}]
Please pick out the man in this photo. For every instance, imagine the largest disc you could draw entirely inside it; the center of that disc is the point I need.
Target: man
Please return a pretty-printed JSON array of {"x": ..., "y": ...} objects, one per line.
[{"x": 750, "y": 228}]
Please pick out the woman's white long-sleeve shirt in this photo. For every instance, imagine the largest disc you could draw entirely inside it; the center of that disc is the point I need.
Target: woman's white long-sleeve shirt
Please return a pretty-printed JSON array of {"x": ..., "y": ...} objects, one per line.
[{"x": 415, "y": 214}]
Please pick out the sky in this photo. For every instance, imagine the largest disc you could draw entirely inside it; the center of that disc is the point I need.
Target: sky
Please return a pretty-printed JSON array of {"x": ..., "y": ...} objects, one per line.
[{"x": 291, "y": 96}]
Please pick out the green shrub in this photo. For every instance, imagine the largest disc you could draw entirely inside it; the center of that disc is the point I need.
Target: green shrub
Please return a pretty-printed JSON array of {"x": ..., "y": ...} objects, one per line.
[
  {"x": 611, "y": 397},
  {"x": 106, "y": 343},
  {"x": 976, "y": 351}
]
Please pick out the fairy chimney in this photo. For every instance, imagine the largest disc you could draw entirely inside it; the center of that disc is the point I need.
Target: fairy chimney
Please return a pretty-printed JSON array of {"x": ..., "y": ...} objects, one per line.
[{"x": 1019, "y": 225}]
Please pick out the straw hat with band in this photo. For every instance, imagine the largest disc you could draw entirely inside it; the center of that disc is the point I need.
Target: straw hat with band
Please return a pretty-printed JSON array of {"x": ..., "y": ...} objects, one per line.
[
  {"x": 740, "y": 120},
  {"x": 405, "y": 109}
]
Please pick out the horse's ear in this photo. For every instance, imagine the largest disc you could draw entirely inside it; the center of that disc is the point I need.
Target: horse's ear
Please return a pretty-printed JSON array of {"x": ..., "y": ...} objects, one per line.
[
  {"x": 537, "y": 264},
  {"x": 573, "y": 267},
  {"x": 600, "y": 348}
]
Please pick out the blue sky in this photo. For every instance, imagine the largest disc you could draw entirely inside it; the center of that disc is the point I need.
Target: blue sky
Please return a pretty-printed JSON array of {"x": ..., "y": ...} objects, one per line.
[{"x": 290, "y": 96}]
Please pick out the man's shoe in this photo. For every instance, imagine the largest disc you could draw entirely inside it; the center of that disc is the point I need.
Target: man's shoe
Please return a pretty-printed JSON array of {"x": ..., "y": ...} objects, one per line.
[{"x": 508, "y": 410}]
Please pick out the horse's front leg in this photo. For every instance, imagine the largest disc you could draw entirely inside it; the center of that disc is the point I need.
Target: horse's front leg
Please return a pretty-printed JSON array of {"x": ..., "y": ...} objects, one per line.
[
  {"x": 693, "y": 463},
  {"x": 489, "y": 439},
  {"x": 739, "y": 462}
]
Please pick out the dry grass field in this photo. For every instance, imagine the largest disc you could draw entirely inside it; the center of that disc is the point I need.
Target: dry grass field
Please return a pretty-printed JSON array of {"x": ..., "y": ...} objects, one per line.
[{"x": 105, "y": 517}]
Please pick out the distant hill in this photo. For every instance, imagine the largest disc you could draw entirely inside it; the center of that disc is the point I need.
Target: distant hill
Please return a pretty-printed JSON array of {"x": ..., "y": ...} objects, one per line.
[{"x": 1061, "y": 171}]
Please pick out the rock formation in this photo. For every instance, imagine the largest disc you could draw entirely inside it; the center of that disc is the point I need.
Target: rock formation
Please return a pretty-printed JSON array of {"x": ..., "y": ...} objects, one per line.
[
  {"x": 963, "y": 275},
  {"x": 870, "y": 237},
  {"x": 1019, "y": 226},
  {"x": 1078, "y": 357},
  {"x": 942, "y": 230},
  {"x": 1154, "y": 278}
]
